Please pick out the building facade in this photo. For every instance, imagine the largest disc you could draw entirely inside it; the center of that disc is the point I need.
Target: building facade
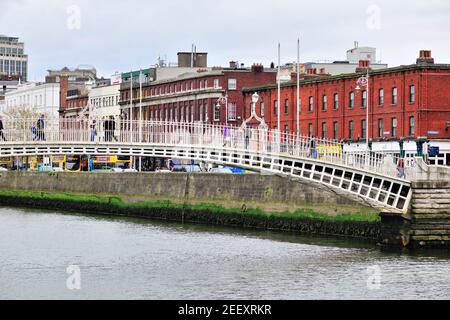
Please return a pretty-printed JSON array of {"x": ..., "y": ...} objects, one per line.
[
  {"x": 194, "y": 97},
  {"x": 104, "y": 101},
  {"x": 38, "y": 98},
  {"x": 13, "y": 60},
  {"x": 405, "y": 103}
]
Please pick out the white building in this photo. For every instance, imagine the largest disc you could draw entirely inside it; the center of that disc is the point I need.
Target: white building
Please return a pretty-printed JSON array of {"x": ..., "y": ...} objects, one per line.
[
  {"x": 37, "y": 97},
  {"x": 13, "y": 60},
  {"x": 104, "y": 101},
  {"x": 354, "y": 55}
]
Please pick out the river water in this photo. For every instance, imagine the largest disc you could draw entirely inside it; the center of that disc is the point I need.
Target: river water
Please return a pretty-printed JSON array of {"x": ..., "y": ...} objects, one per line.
[{"x": 124, "y": 258}]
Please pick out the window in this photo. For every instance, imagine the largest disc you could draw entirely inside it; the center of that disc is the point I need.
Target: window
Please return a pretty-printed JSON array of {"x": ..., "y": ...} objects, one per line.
[
  {"x": 350, "y": 130},
  {"x": 275, "y": 108},
  {"x": 324, "y": 130},
  {"x": 411, "y": 126},
  {"x": 216, "y": 83},
  {"x": 363, "y": 129},
  {"x": 310, "y": 130},
  {"x": 336, "y": 101},
  {"x": 262, "y": 106},
  {"x": 394, "y": 127},
  {"x": 311, "y": 104},
  {"x": 286, "y": 130},
  {"x": 394, "y": 96},
  {"x": 380, "y": 128},
  {"x": 232, "y": 111},
  {"x": 324, "y": 103},
  {"x": 351, "y": 100},
  {"x": 364, "y": 99},
  {"x": 206, "y": 83},
  {"x": 216, "y": 113},
  {"x": 232, "y": 85},
  {"x": 412, "y": 94},
  {"x": 381, "y": 97},
  {"x": 286, "y": 107},
  {"x": 335, "y": 130}
]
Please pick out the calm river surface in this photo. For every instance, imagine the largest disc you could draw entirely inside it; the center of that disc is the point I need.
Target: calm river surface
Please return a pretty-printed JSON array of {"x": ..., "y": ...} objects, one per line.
[{"x": 122, "y": 258}]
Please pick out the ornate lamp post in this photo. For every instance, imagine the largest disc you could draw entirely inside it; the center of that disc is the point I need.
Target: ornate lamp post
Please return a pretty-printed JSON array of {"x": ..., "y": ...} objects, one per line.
[
  {"x": 224, "y": 100},
  {"x": 364, "y": 82}
]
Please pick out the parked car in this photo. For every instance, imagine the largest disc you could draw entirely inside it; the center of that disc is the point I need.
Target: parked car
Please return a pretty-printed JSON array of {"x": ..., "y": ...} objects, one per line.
[
  {"x": 130, "y": 170},
  {"x": 2, "y": 169},
  {"x": 186, "y": 168},
  {"x": 221, "y": 170}
]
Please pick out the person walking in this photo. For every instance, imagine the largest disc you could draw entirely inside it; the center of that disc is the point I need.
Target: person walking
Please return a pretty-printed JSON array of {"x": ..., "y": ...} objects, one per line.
[
  {"x": 401, "y": 168},
  {"x": 41, "y": 127},
  {"x": 106, "y": 126},
  {"x": 1, "y": 129},
  {"x": 112, "y": 128},
  {"x": 93, "y": 130}
]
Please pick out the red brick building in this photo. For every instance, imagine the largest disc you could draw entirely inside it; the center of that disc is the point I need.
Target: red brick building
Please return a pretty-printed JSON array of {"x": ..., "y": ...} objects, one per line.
[
  {"x": 404, "y": 102},
  {"x": 194, "y": 97}
]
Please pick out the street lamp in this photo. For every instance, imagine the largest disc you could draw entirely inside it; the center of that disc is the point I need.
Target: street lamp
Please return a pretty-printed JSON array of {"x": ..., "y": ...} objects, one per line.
[
  {"x": 364, "y": 82},
  {"x": 224, "y": 100},
  {"x": 255, "y": 98}
]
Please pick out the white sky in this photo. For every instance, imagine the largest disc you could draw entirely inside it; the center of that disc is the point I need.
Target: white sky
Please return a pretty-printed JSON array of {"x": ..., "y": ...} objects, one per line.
[{"x": 119, "y": 35}]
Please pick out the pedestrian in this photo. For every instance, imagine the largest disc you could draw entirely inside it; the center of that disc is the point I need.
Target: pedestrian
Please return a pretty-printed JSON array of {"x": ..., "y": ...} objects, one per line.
[
  {"x": 1, "y": 129},
  {"x": 106, "y": 125},
  {"x": 93, "y": 130},
  {"x": 112, "y": 128},
  {"x": 41, "y": 127},
  {"x": 401, "y": 168}
]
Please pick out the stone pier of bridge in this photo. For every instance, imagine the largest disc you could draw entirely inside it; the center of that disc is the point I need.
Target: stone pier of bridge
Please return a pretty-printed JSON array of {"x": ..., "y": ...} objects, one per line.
[{"x": 427, "y": 222}]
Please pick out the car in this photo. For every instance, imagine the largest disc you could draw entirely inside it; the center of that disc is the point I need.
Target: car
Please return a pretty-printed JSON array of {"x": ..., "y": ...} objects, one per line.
[
  {"x": 163, "y": 170},
  {"x": 221, "y": 170},
  {"x": 130, "y": 170},
  {"x": 186, "y": 168},
  {"x": 2, "y": 169},
  {"x": 117, "y": 170}
]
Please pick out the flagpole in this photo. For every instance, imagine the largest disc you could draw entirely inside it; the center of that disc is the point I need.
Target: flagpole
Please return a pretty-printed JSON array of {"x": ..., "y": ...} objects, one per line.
[
  {"x": 279, "y": 86},
  {"x": 131, "y": 106},
  {"x": 140, "y": 115},
  {"x": 298, "y": 87}
]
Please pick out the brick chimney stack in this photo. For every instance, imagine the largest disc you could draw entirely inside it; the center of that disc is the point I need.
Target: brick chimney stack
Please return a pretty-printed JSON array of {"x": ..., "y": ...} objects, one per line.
[
  {"x": 363, "y": 66},
  {"x": 256, "y": 68},
  {"x": 63, "y": 88},
  {"x": 425, "y": 58}
]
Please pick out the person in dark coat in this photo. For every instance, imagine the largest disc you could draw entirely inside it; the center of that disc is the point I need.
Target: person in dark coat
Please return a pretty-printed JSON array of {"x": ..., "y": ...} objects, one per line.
[{"x": 1, "y": 129}]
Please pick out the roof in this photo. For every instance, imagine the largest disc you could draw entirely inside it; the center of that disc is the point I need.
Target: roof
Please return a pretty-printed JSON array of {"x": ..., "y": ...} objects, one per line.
[{"x": 350, "y": 76}]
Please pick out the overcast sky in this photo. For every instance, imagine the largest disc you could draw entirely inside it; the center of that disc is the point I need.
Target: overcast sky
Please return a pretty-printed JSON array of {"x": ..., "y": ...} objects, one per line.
[{"x": 118, "y": 35}]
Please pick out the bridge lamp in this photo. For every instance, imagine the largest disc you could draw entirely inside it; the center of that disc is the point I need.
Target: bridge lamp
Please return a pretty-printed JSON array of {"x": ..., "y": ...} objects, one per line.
[{"x": 255, "y": 98}]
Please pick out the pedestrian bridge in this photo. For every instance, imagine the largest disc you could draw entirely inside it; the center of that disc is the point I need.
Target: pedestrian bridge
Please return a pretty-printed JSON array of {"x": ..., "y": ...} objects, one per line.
[{"x": 364, "y": 176}]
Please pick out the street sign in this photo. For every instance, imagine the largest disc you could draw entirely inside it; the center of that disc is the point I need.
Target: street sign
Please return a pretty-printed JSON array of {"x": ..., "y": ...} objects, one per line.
[{"x": 433, "y": 132}]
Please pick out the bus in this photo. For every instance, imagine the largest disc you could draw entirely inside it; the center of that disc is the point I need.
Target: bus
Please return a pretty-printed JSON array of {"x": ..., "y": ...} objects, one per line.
[
  {"x": 110, "y": 163},
  {"x": 58, "y": 163},
  {"x": 76, "y": 163},
  {"x": 6, "y": 163}
]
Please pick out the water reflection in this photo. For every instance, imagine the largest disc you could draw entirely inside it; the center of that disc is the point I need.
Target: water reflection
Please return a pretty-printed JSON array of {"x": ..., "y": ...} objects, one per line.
[{"x": 141, "y": 259}]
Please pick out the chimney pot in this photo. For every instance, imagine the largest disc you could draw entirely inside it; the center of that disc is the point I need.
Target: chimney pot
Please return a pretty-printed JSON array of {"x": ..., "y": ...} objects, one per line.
[{"x": 425, "y": 57}]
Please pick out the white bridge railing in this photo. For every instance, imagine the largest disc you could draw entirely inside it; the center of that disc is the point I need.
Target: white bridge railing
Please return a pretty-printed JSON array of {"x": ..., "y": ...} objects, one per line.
[{"x": 256, "y": 140}]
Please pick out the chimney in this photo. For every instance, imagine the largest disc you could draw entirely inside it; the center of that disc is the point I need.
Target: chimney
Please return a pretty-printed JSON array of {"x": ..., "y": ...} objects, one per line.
[
  {"x": 63, "y": 88},
  {"x": 363, "y": 66},
  {"x": 256, "y": 68},
  {"x": 311, "y": 71},
  {"x": 425, "y": 58},
  {"x": 322, "y": 71},
  {"x": 233, "y": 65}
]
